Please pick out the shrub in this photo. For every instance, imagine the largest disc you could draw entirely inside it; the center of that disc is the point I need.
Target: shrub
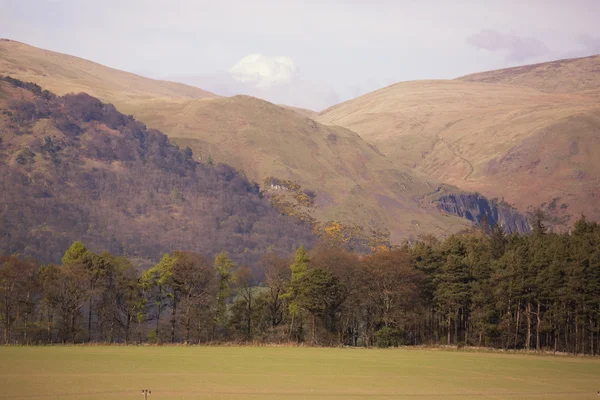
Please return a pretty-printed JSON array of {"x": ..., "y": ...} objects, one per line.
[{"x": 389, "y": 337}]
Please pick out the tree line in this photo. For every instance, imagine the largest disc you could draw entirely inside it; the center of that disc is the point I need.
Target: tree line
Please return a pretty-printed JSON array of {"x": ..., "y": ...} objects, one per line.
[{"x": 538, "y": 292}]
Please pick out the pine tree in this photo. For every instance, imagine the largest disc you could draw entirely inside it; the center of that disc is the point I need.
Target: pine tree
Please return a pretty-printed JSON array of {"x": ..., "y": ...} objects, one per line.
[
  {"x": 298, "y": 269},
  {"x": 224, "y": 267}
]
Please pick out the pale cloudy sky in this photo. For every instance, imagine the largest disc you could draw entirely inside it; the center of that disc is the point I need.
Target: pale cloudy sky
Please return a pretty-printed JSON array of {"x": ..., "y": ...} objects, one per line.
[{"x": 310, "y": 53}]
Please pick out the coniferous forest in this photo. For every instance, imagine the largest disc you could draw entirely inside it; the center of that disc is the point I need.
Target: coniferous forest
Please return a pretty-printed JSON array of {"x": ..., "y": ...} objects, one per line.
[{"x": 536, "y": 292}]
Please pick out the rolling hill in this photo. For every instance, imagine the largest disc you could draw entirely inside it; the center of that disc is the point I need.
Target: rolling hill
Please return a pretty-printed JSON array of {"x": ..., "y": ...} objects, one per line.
[
  {"x": 528, "y": 135},
  {"x": 62, "y": 74},
  {"x": 575, "y": 75},
  {"x": 353, "y": 182}
]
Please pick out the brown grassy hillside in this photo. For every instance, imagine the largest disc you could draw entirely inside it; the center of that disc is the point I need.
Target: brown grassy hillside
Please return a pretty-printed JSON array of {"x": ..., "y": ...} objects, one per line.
[
  {"x": 354, "y": 183},
  {"x": 62, "y": 74},
  {"x": 519, "y": 143}
]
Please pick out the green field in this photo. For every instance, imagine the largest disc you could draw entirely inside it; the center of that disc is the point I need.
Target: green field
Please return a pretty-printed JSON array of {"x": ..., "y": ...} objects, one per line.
[{"x": 80, "y": 372}]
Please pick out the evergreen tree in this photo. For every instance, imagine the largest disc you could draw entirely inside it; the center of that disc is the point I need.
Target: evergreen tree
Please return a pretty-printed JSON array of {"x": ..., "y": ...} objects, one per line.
[
  {"x": 224, "y": 267},
  {"x": 298, "y": 269}
]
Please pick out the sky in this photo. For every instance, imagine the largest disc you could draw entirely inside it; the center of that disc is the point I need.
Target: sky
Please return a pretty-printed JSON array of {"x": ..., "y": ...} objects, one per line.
[{"x": 311, "y": 53}]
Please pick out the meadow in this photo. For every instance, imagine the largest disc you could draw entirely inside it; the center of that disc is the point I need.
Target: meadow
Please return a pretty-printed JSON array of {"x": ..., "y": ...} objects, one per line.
[{"x": 105, "y": 372}]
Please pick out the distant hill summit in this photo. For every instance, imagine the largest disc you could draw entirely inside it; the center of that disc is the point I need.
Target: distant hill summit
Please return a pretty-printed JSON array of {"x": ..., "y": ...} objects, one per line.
[
  {"x": 63, "y": 74},
  {"x": 74, "y": 168},
  {"x": 575, "y": 75}
]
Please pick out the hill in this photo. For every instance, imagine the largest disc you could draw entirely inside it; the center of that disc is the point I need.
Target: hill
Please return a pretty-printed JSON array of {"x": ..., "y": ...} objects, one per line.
[
  {"x": 353, "y": 184},
  {"x": 74, "y": 168},
  {"x": 575, "y": 75},
  {"x": 526, "y": 146},
  {"x": 64, "y": 74}
]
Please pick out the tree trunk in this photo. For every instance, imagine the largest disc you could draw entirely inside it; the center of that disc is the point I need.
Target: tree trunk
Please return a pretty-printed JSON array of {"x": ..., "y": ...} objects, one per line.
[
  {"x": 6, "y": 319},
  {"x": 555, "y": 326},
  {"x": 449, "y": 329},
  {"x": 90, "y": 319},
  {"x": 127, "y": 328},
  {"x": 158, "y": 312},
  {"x": 598, "y": 332},
  {"x": 249, "y": 322},
  {"x": 26, "y": 323},
  {"x": 111, "y": 332},
  {"x": 528, "y": 342},
  {"x": 591, "y": 336},
  {"x": 198, "y": 330},
  {"x": 576, "y": 334},
  {"x": 583, "y": 334},
  {"x": 467, "y": 327},
  {"x": 517, "y": 324},
  {"x": 73, "y": 319},
  {"x": 173, "y": 317},
  {"x": 456, "y": 322},
  {"x": 509, "y": 327},
  {"x": 314, "y": 326},
  {"x": 49, "y": 326},
  {"x": 187, "y": 324},
  {"x": 292, "y": 326},
  {"x": 66, "y": 322},
  {"x": 139, "y": 330},
  {"x": 567, "y": 345},
  {"x": 538, "y": 327}
]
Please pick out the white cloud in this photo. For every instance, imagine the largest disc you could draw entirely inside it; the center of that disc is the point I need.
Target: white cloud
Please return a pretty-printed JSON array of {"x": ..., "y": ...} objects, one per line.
[{"x": 264, "y": 71}]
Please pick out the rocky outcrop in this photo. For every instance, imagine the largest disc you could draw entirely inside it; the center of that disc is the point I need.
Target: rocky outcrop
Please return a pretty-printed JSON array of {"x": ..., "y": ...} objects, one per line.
[{"x": 477, "y": 208}]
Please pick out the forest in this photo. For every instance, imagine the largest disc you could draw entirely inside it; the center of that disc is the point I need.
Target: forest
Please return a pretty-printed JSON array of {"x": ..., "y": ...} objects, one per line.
[{"x": 478, "y": 288}]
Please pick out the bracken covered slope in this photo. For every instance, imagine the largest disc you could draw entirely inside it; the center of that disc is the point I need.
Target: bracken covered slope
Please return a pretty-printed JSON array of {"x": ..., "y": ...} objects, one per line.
[
  {"x": 505, "y": 139},
  {"x": 74, "y": 168}
]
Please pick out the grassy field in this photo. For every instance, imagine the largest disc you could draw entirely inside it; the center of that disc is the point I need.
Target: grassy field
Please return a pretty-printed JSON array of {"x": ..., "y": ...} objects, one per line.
[{"x": 289, "y": 373}]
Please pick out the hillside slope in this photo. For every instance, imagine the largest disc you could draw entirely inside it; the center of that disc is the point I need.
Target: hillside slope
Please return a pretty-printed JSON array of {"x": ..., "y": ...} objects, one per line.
[
  {"x": 575, "y": 75},
  {"x": 74, "y": 168},
  {"x": 354, "y": 183},
  {"x": 63, "y": 74},
  {"x": 518, "y": 143}
]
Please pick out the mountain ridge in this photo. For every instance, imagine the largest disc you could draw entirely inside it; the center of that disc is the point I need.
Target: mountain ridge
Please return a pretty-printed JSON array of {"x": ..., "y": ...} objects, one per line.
[
  {"x": 503, "y": 140},
  {"x": 83, "y": 75},
  {"x": 535, "y": 76}
]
